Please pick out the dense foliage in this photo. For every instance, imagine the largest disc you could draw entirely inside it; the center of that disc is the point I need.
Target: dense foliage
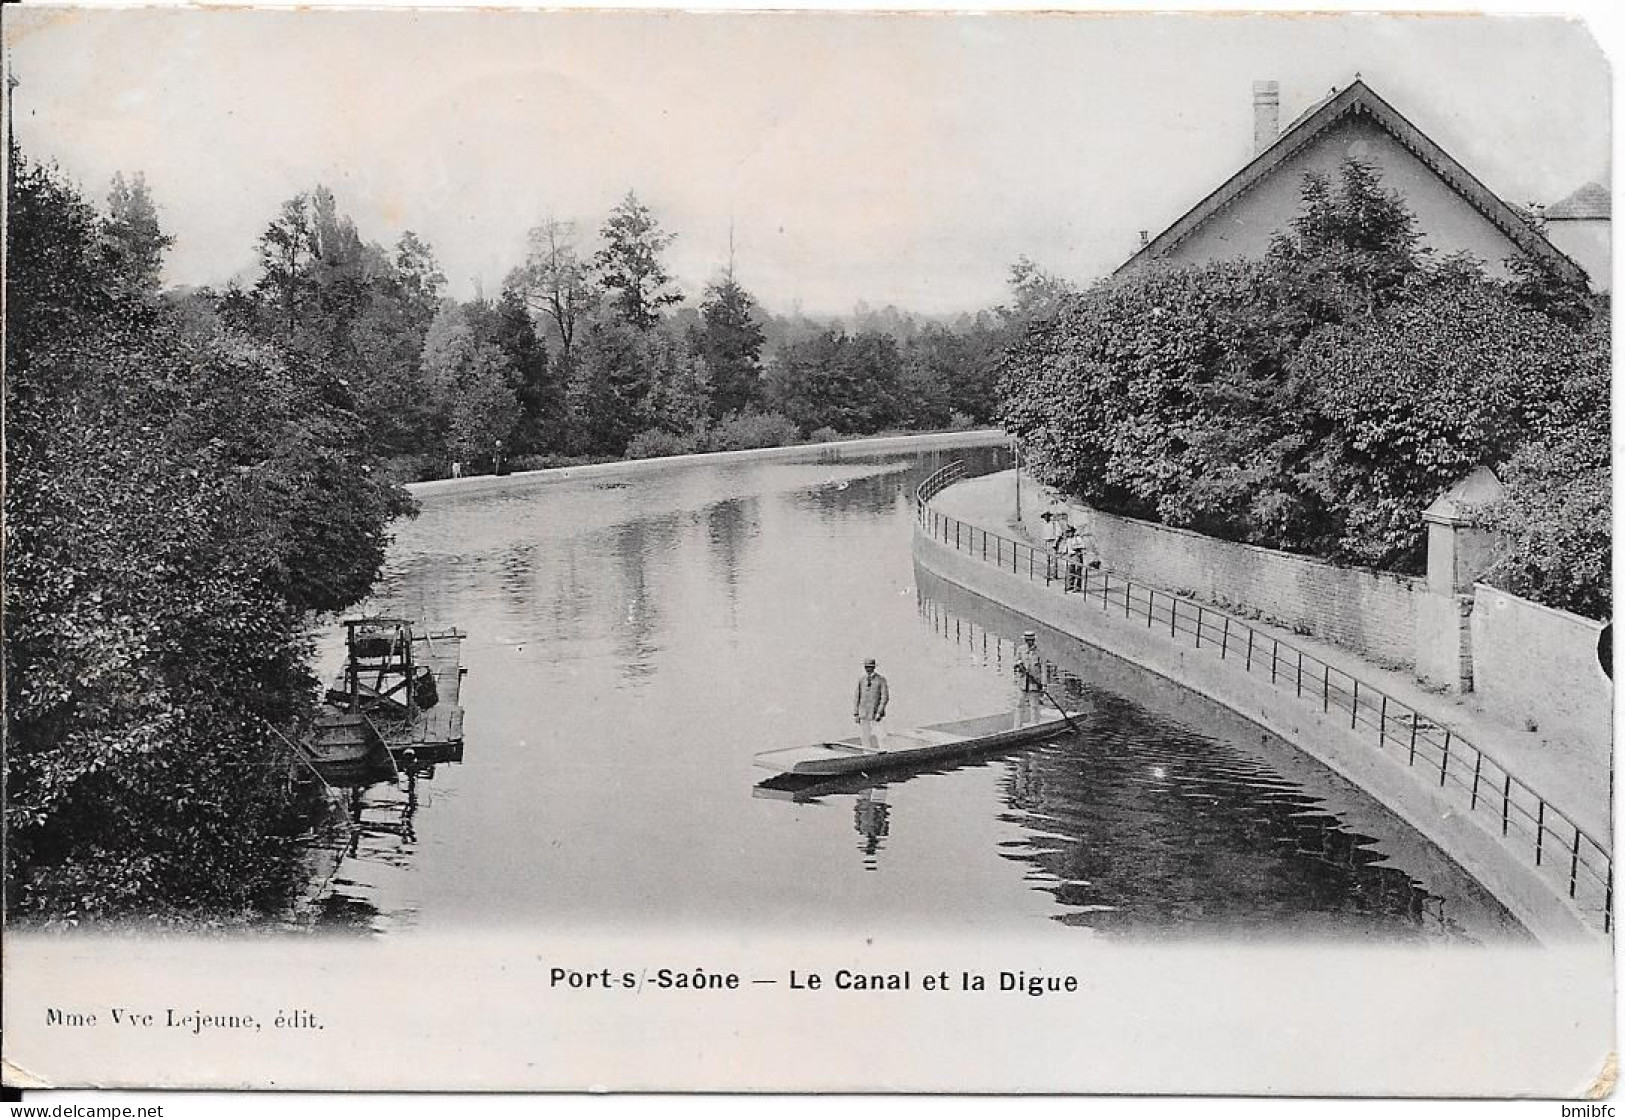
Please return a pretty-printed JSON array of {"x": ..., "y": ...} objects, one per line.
[
  {"x": 592, "y": 353},
  {"x": 1319, "y": 399},
  {"x": 1556, "y": 517},
  {"x": 179, "y": 497}
]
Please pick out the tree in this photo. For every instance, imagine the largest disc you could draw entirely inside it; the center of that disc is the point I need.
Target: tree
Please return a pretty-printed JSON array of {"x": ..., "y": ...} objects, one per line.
[
  {"x": 56, "y": 272},
  {"x": 354, "y": 309},
  {"x": 287, "y": 254},
  {"x": 1036, "y": 293},
  {"x": 1350, "y": 251},
  {"x": 1107, "y": 394},
  {"x": 1411, "y": 400},
  {"x": 555, "y": 281},
  {"x": 135, "y": 242},
  {"x": 1537, "y": 286},
  {"x": 680, "y": 386},
  {"x": 539, "y": 392},
  {"x": 483, "y": 406},
  {"x": 610, "y": 379},
  {"x": 179, "y": 499},
  {"x": 418, "y": 278},
  {"x": 730, "y": 341},
  {"x": 1556, "y": 520},
  {"x": 629, "y": 268},
  {"x": 936, "y": 363},
  {"x": 850, "y": 383},
  {"x": 378, "y": 357},
  {"x": 973, "y": 391}
]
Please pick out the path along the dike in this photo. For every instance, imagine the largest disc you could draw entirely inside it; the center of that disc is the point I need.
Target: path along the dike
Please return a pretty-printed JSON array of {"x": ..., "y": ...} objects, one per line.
[{"x": 1467, "y": 813}]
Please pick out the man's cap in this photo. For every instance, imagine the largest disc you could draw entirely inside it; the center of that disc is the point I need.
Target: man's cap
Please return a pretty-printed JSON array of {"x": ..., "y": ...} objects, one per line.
[
  {"x": 1046, "y": 515},
  {"x": 868, "y": 663},
  {"x": 1028, "y": 634}
]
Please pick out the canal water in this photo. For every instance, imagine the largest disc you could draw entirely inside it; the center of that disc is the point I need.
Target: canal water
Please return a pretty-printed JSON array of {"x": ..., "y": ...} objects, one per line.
[{"x": 635, "y": 639}]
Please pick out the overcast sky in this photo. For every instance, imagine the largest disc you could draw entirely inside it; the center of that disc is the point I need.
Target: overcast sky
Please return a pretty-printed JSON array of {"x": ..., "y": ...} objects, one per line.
[{"x": 902, "y": 159}]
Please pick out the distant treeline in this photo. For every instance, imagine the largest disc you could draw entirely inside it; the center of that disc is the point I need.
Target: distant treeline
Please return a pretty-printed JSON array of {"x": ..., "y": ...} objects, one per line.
[{"x": 589, "y": 350}]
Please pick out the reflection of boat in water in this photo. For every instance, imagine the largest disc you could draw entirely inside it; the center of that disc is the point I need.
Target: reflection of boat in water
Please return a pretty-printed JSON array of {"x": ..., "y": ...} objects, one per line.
[
  {"x": 913, "y": 746},
  {"x": 393, "y": 707},
  {"x": 802, "y": 789}
]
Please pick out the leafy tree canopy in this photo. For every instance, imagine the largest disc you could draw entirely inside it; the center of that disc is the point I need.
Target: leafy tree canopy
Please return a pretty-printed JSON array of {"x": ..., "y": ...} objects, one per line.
[
  {"x": 180, "y": 498},
  {"x": 1319, "y": 399},
  {"x": 629, "y": 269}
]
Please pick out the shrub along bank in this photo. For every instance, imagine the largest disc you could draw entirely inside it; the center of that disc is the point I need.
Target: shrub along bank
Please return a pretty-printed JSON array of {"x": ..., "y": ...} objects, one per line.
[
  {"x": 1319, "y": 399},
  {"x": 180, "y": 500}
]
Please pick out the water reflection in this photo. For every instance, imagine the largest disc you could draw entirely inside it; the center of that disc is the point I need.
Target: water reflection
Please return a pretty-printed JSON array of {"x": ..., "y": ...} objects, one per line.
[
  {"x": 382, "y": 823},
  {"x": 638, "y": 547},
  {"x": 842, "y": 496},
  {"x": 1144, "y": 824},
  {"x": 632, "y": 648},
  {"x": 730, "y": 526},
  {"x": 871, "y": 816}
]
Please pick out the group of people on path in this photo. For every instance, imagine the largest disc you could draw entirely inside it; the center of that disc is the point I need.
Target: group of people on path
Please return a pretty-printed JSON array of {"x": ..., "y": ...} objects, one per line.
[{"x": 1068, "y": 545}]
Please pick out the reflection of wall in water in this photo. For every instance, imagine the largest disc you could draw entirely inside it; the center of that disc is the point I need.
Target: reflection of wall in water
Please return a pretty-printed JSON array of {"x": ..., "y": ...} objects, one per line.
[
  {"x": 1166, "y": 827},
  {"x": 1146, "y": 823}
]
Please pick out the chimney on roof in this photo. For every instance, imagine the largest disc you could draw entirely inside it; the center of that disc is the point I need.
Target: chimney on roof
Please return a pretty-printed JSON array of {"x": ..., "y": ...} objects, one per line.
[
  {"x": 1145, "y": 238},
  {"x": 1266, "y": 114}
]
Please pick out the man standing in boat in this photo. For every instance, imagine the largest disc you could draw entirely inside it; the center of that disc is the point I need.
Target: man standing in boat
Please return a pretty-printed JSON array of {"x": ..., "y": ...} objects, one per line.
[
  {"x": 1030, "y": 674},
  {"x": 869, "y": 708}
]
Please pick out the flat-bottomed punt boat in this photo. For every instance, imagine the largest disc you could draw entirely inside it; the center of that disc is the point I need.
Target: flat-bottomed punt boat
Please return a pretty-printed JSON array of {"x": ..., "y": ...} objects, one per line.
[{"x": 913, "y": 745}]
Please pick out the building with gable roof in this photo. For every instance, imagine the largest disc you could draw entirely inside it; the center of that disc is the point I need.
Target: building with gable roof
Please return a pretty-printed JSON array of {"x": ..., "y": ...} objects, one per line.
[
  {"x": 1455, "y": 212},
  {"x": 1581, "y": 225}
]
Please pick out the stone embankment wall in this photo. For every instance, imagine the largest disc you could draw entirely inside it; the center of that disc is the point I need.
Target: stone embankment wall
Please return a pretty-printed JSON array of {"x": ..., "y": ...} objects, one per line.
[
  {"x": 1534, "y": 896},
  {"x": 1529, "y": 666}
]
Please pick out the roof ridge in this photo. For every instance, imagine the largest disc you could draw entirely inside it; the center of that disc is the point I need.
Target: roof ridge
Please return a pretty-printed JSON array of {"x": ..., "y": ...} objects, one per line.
[
  {"x": 1356, "y": 97},
  {"x": 1589, "y": 201}
]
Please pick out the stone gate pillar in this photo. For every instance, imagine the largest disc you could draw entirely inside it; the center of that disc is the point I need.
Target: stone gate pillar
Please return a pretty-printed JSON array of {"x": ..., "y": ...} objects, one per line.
[{"x": 1458, "y": 553}]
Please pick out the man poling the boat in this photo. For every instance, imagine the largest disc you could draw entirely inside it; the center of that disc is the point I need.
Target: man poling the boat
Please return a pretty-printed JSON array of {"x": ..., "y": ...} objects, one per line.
[
  {"x": 869, "y": 706},
  {"x": 1030, "y": 674}
]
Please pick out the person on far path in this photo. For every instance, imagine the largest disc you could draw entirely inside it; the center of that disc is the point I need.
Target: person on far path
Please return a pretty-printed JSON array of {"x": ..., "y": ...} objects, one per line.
[
  {"x": 869, "y": 708},
  {"x": 1030, "y": 674},
  {"x": 1073, "y": 548},
  {"x": 1052, "y": 542}
]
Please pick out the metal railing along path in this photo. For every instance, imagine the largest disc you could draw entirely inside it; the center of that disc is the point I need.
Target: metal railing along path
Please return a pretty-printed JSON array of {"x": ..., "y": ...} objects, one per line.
[{"x": 1534, "y": 829}]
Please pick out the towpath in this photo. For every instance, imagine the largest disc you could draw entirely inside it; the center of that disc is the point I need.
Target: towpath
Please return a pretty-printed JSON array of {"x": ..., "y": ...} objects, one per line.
[{"x": 988, "y": 502}]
